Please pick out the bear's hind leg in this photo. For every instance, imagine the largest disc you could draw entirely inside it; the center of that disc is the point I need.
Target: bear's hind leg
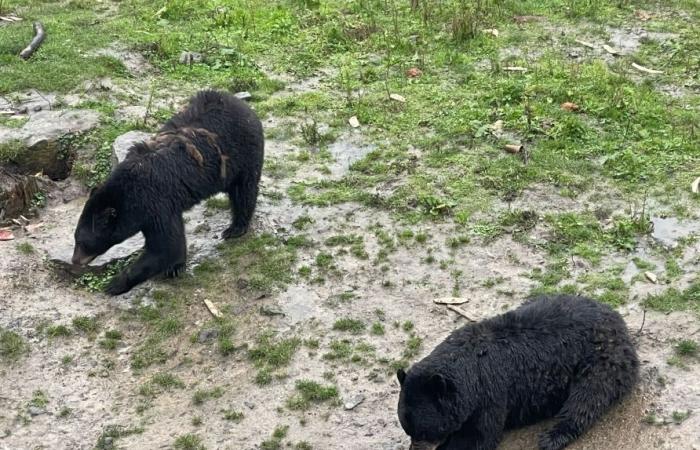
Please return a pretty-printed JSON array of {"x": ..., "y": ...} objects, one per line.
[
  {"x": 243, "y": 196},
  {"x": 589, "y": 398}
]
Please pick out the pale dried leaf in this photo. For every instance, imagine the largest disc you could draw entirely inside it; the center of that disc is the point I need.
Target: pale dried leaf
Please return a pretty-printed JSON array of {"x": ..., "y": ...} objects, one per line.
[
  {"x": 610, "y": 50},
  {"x": 569, "y": 106},
  {"x": 642, "y": 15},
  {"x": 646, "y": 69},
  {"x": 491, "y": 31},
  {"x": 695, "y": 186},
  {"x": 586, "y": 44},
  {"x": 354, "y": 122},
  {"x": 515, "y": 69}
]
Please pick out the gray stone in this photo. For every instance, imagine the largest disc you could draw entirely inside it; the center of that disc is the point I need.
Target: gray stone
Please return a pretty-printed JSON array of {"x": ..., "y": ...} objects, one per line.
[
  {"x": 123, "y": 143},
  {"x": 353, "y": 402},
  {"x": 190, "y": 58},
  {"x": 207, "y": 335},
  {"x": 35, "y": 411},
  {"x": 46, "y": 141},
  {"x": 245, "y": 95}
]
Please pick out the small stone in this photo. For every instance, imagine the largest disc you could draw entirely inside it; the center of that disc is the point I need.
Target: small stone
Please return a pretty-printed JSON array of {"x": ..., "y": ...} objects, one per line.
[
  {"x": 651, "y": 276},
  {"x": 249, "y": 405},
  {"x": 207, "y": 335},
  {"x": 35, "y": 411},
  {"x": 397, "y": 97},
  {"x": 353, "y": 402},
  {"x": 245, "y": 95},
  {"x": 354, "y": 122},
  {"x": 190, "y": 58},
  {"x": 37, "y": 108}
]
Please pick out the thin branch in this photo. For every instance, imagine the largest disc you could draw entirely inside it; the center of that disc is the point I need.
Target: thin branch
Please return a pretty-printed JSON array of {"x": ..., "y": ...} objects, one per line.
[{"x": 39, "y": 36}]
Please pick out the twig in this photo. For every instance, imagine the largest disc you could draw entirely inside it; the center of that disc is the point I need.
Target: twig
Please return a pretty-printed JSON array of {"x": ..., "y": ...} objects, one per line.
[
  {"x": 212, "y": 308},
  {"x": 644, "y": 318},
  {"x": 461, "y": 312},
  {"x": 39, "y": 35}
]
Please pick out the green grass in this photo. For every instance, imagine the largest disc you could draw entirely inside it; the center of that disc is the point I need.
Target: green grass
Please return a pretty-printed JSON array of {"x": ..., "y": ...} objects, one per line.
[
  {"x": 188, "y": 442},
  {"x": 159, "y": 383},
  {"x": 271, "y": 354},
  {"x": 310, "y": 392},
  {"x": 85, "y": 325},
  {"x": 353, "y": 326},
  {"x": 12, "y": 345},
  {"x": 111, "y": 433},
  {"x": 201, "y": 396},
  {"x": 275, "y": 441},
  {"x": 55, "y": 331},
  {"x": 25, "y": 248},
  {"x": 676, "y": 300}
]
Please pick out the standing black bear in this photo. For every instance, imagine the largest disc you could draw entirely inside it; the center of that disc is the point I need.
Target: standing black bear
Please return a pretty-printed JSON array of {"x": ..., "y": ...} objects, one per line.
[
  {"x": 214, "y": 145},
  {"x": 555, "y": 356}
]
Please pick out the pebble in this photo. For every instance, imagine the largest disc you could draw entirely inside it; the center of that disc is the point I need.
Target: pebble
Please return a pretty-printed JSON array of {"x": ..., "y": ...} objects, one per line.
[
  {"x": 353, "y": 401},
  {"x": 249, "y": 405},
  {"x": 244, "y": 95},
  {"x": 36, "y": 411}
]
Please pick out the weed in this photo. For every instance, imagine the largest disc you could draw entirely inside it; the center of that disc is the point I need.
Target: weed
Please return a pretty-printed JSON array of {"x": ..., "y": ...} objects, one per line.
[
  {"x": 54, "y": 331},
  {"x": 202, "y": 395},
  {"x": 349, "y": 325},
  {"x": 85, "y": 325},
  {"x": 25, "y": 248},
  {"x": 275, "y": 442},
  {"x": 686, "y": 348},
  {"x": 113, "y": 432},
  {"x": 309, "y": 392},
  {"x": 233, "y": 416},
  {"x": 188, "y": 442}
]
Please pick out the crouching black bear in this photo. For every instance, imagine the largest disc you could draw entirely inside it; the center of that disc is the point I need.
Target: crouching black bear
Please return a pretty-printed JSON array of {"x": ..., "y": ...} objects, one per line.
[
  {"x": 555, "y": 356},
  {"x": 214, "y": 145}
]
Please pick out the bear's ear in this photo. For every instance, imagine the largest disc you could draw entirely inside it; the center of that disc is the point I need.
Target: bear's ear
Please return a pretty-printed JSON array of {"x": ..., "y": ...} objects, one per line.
[
  {"x": 438, "y": 385},
  {"x": 401, "y": 375}
]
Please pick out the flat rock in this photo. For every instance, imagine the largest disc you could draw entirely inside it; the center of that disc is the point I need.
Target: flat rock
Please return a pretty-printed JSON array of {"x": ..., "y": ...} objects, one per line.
[
  {"x": 353, "y": 402},
  {"x": 44, "y": 142},
  {"x": 123, "y": 143}
]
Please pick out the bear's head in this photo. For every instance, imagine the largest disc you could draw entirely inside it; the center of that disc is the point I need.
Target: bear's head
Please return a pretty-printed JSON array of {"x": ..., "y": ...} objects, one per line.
[
  {"x": 431, "y": 407},
  {"x": 101, "y": 226}
]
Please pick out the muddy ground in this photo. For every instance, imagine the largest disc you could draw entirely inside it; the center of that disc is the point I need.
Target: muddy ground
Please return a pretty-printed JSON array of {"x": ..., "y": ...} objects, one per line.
[{"x": 99, "y": 388}]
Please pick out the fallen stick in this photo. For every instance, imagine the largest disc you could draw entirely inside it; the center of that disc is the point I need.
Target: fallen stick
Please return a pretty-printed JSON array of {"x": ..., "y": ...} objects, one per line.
[
  {"x": 39, "y": 35},
  {"x": 461, "y": 312},
  {"x": 212, "y": 308},
  {"x": 586, "y": 44},
  {"x": 646, "y": 69}
]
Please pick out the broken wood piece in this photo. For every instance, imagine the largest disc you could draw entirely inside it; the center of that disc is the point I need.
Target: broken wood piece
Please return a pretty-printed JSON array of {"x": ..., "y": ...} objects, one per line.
[
  {"x": 39, "y": 36},
  {"x": 354, "y": 122},
  {"x": 397, "y": 97},
  {"x": 695, "y": 186},
  {"x": 515, "y": 69},
  {"x": 450, "y": 300},
  {"x": 610, "y": 50},
  {"x": 586, "y": 44},
  {"x": 513, "y": 148},
  {"x": 461, "y": 312},
  {"x": 10, "y": 18},
  {"x": 645, "y": 69},
  {"x": 651, "y": 276},
  {"x": 212, "y": 308}
]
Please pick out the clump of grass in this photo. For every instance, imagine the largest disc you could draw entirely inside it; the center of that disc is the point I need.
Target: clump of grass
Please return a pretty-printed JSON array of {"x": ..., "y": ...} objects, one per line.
[
  {"x": 159, "y": 383},
  {"x": 202, "y": 395},
  {"x": 25, "y": 248},
  {"x": 676, "y": 300},
  {"x": 271, "y": 354},
  {"x": 188, "y": 442},
  {"x": 111, "y": 339},
  {"x": 55, "y": 331},
  {"x": 12, "y": 346},
  {"x": 220, "y": 203},
  {"x": 39, "y": 399},
  {"x": 113, "y": 432},
  {"x": 85, "y": 325},
  {"x": 232, "y": 415},
  {"x": 97, "y": 282},
  {"x": 149, "y": 353},
  {"x": 353, "y": 326},
  {"x": 686, "y": 348},
  {"x": 309, "y": 392},
  {"x": 377, "y": 329},
  {"x": 275, "y": 441}
]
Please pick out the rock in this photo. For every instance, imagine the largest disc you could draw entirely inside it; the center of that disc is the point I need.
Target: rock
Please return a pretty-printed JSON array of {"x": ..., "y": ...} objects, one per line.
[
  {"x": 45, "y": 143},
  {"x": 135, "y": 63},
  {"x": 35, "y": 411},
  {"x": 249, "y": 405},
  {"x": 123, "y": 143},
  {"x": 353, "y": 402},
  {"x": 135, "y": 113},
  {"x": 190, "y": 58},
  {"x": 16, "y": 193},
  {"x": 245, "y": 95},
  {"x": 207, "y": 335}
]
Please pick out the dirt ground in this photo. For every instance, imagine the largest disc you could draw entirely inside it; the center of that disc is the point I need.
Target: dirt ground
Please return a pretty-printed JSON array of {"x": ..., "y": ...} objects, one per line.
[{"x": 90, "y": 389}]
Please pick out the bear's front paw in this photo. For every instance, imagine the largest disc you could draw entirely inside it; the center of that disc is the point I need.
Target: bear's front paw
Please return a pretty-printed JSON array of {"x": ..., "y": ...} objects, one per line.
[
  {"x": 118, "y": 285},
  {"x": 233, "y": 232},
  {"x": 175, "y": 271},
  {"x": 553, "y": 440}
]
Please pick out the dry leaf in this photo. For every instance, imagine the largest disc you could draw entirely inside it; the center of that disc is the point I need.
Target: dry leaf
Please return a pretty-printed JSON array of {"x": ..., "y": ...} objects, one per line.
[
  {"x": 32, "y": 227},
  {"x": 651, "y": 277},
  {"x": 586, "y": 44},
  {"x": 397, "y": 97},
  {"x": 513, "y": 148},
  {"x": 695, "y": 186},
  {"x": 515, "y": 69},
  {"x": 212, "y": 308},
  {"x": 610, "y": 50},
  {"x": 569, "y": 106},
  {"x": 6, "y": 234},
  {"x": 642, "y": 15},
  {"x": 491, "y": 31},
  {"x": 497, "y": 127},
  {"x": 414, "y": 72},
  {"x": 450, "y": 300},
  {"x": 645, "y": 69},
  {"x": 354, "y": 122}
]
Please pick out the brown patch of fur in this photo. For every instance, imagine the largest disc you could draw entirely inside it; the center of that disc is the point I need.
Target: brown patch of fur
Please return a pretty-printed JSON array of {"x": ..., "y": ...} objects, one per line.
[{"x": 186, "y": 136}]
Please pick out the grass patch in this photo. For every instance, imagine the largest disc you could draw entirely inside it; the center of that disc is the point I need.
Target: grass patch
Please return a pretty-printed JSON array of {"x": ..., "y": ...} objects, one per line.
[
  {"x": 159, "y": 383},
  {"x": 111, "y": 433},
  {"x": 275, "y": 441},
  {"x": 271, "y": 354},
  {"x": 201, "y": 396},
  {"x": 188, "y": 442},
  {"x": 310, "y": 392},
  {"x": 353, "y": 326},
  {"x": 676, "y": 300},
  {"x": 85, "y": 325}
]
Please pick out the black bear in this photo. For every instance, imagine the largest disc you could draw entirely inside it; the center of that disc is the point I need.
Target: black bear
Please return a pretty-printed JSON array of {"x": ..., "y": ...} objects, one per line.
[
  {"x": 214, "y": 145},
  {"x": 556, "y": 356}
]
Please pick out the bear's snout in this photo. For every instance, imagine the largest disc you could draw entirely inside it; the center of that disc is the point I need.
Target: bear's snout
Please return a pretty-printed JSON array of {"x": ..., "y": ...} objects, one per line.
[
  {"x": 80, "y": 258},
  {"x": 423, "y": 445}
]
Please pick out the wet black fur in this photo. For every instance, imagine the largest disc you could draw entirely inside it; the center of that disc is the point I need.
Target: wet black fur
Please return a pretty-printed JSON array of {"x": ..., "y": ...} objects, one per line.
[
  {"x": 151, "y": 188},
  {"x": 555, "y": 356}
]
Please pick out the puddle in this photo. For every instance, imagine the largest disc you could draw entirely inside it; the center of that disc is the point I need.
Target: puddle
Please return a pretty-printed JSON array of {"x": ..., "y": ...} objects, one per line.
[
  {"x": 667, "y": 231},
  {"x": 346, "y": 151}
]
